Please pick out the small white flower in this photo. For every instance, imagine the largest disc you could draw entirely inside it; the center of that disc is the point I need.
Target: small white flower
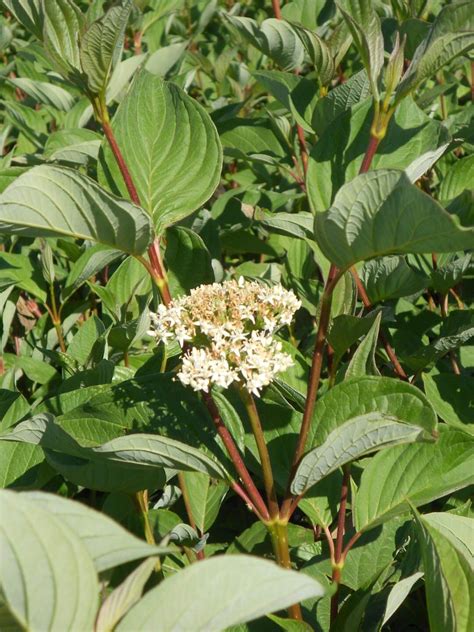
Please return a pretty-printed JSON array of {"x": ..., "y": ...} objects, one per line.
[{"x": 229, "y": 329}]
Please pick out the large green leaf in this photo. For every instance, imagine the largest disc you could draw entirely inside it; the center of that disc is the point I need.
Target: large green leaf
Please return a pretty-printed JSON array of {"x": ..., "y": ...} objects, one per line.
[
  {"x": 57, "y": 201},
  {"x": 337, "y": 156},
  {"x": 382, "y": 213},
  {"x": 355, "y": 438},
  {"x": 448, "y": 559},
  {"x": 413, "y": 474},
  {"x": 101, "y": 46},
  {"x": 360, "y": 416},
  {"x": 107, "y": 543},
  {"x": 275, "y": 38},
  {"x": 171, "y": 148},
  {"x": 218, "y": 593},
  {"x": 127, "y": 463},
  {"x": 48, "y": 578},
  {"x": 366, "y": 395},
  {"x": 451, "y": 34}
]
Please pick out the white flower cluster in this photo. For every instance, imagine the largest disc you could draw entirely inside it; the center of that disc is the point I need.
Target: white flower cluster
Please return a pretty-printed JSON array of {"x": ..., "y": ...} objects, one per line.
[{"x": 227, "y": 329}]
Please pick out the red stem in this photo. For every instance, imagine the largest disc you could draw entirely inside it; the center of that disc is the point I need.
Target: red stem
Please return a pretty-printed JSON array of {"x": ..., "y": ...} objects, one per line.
[
  {"x": 341, "y": 521},
  {"x": 276, "y": 9},
  {"x": 369, "y": 154},
  {"x": 314, "y": 379},
  {"x": 127, "y": 178},
  {"x": 303, "y": 150},
  {"x": 234, "y": 454}
]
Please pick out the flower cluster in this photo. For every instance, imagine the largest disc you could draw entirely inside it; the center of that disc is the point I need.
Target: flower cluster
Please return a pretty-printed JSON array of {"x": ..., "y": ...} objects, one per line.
[{"x": 227, "y": 330}]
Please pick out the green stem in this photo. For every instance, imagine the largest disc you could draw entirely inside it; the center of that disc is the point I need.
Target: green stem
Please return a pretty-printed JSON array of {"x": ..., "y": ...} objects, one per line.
[
  {"x": 55, "y": 317},
  {"x": 141, "y": 501},
  {"x": 187, "y": 504},
  {"x": 338, "y": 562},
  {"x": 278, "y": 530},
  {"x": 265, "y": 462}
]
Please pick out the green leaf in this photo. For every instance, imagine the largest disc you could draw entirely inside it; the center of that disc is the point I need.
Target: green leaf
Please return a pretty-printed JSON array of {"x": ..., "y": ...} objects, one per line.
[
  {"x": 318, "y": 52},
  {"x": 446, "y": 546},
  {"x": 81, "y": 346},
  {"x": 20, "y": 465},
  {"x": 355, "y": 438},
  {"x": 413, "y": 474},
  {"x": 124, "y": 597},
  {"x": 29, "y": 13},
  {"x": 218, "y": 593},
  {"x": 340, "y": 99},
  {"x": 381, "y": 213},
  {"x": 450, "y": 35},
  {"x": 187, "y": 260},
  {"x": 366, "y": 395},
  {"x": 456, "y": 330},
  {"x": 452, "y": 397},
  {"x": 107, "y": 543},
  {"x": 43, "y": 92},
  {"x": 391, "y": 277},
  {"x": 399, "y": 593},
  {"x": 101, "y": 47},
  {"x": 56, "y": 201},
  {"x": 171, "y": 146},
  {"x": 450, "y": 274},
  {"x": 364, "y": 25},
  {"x": 127, "y": 463},
  {"x": 358, "y": 417},
  {"x": 363, "y": 360},
  {"x": 205, "y": 498},
  {"x": 35, "y": 540},
  {"x": 275, "y": 38},
  {"x": 337, "y": 156},
  {"x": 63, "y": 22},
  {"x": 346, "y": 330},
  {"x": 458, "y": 178},
  {"x": 92, "y": 261}
]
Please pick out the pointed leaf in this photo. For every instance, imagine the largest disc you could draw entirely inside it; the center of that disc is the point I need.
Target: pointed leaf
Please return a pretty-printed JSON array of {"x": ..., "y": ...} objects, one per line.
[
  {"x": 415, "y": 474},
  {"x": 63, "y": 23},
  {"x": 29, "y": 13},
  {"x": 448, "y": 559},
  {"x": 391, "y": 277},
  {"x": 450, "y": 35},
  {"x": 101, "y": 46},
  {"x": 381, "y": 213},
  {"x": 124, "y": 597},
  {"x": 355, "y": 438},
  {"x": 56, "y": 201},
  {"x": 38, "y": 554},
  {"x": 363, "y": 360},
  {"x": 364, "y": 25},
  {"x": 218, "y": 593},
  {"x": 127, "y": 463},
  {"x": 171, "y": 146}
]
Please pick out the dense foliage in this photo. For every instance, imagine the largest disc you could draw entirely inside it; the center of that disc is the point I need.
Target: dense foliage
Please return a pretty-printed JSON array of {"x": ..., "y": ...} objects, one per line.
[{"x": 236, "y": 287}]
